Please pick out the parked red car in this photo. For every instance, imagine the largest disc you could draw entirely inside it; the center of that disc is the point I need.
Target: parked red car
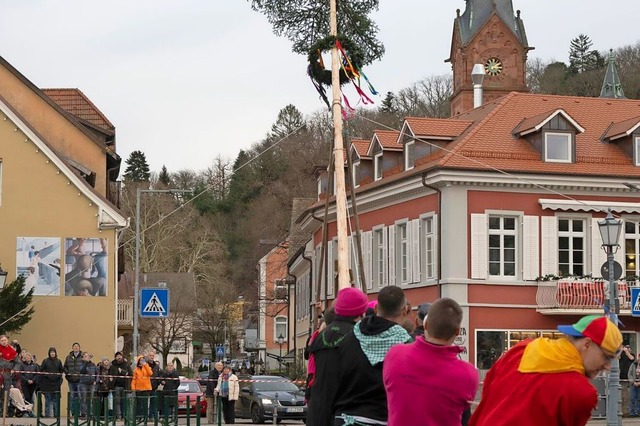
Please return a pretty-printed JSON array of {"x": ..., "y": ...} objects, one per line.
[{"x": 191, "y": 389}]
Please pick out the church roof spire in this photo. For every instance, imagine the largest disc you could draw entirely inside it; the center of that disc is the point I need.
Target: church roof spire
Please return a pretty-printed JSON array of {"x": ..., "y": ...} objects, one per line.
[
  {"x": 477, "y": 13},
  {"x": 611, "y": 87}
]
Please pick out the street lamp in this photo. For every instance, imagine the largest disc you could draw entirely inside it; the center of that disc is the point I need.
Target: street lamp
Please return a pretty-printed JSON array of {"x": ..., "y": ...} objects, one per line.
[
  {"x": 610, "y": 229},
  {"x": 280, "y": 343},
  {"x": 136, "y": 296}
]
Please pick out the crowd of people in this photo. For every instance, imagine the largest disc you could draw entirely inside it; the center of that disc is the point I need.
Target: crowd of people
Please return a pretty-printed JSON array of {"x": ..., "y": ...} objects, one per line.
[
  {"x": 92, "y": 387},
  {"x": 368, "y": 365}
]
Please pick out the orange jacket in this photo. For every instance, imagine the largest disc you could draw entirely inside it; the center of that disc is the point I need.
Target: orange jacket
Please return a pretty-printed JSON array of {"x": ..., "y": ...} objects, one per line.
[{"x": 142, "y": 378}]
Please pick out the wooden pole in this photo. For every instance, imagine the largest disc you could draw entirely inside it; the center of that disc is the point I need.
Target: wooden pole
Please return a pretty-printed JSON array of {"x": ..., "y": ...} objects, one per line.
[
  {"x": 356, "y": 221},
  {"x": 338, "y": 156},
  {"x": 5, "y": 395}
]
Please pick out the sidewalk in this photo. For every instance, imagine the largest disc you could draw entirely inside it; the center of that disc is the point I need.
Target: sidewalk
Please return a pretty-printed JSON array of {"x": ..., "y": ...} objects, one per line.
[{"x": 625, "y": 421}]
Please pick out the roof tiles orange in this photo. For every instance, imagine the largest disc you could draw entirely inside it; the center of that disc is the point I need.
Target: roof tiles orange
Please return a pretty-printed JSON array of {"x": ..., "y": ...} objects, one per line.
[
  {"x": 620, "y": 128},
  {"x": 388, "y": 139},
  {"x": 437, "y": 127},
  {"x": 490, "y": 143},
  {"x": 76, "y": 103},
  {"x": 361, "y": 146}
]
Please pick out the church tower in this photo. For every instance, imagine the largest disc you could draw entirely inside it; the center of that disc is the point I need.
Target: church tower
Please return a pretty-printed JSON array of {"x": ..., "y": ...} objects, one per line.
[{"x": 487, "y": 33}]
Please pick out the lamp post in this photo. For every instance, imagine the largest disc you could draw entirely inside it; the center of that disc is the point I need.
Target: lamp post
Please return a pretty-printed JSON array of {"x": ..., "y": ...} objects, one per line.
[
  {"x": 280, "y": 343},
  {"x": 610, "y": 229},
  {"x": 136, "y": 296}
]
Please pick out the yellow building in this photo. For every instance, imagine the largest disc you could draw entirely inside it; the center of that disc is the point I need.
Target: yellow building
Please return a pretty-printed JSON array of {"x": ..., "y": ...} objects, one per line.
[{"x": 57, "y": 226}]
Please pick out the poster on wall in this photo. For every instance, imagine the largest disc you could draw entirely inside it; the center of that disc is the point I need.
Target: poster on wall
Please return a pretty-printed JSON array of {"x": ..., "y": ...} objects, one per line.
[
  {"x": 85, "y": 266},
  {"x": 38, "y": 260}
]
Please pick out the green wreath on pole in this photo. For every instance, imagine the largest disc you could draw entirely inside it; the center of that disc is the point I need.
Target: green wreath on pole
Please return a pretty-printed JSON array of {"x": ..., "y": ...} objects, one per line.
[{"x": 316, "y": 69}]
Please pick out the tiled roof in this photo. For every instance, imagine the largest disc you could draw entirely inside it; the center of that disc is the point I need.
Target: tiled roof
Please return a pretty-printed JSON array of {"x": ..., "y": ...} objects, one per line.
[
  {"x": 490, "y": 143},
  {"x": 621, "y": 128},
  {"x": 75, "y": 102},
  {"x": 388, "y": 139},
  {"x": 533, "y": 124},
  {"x": 437, "y": 127},
  {"x": 361, "y": 146}
]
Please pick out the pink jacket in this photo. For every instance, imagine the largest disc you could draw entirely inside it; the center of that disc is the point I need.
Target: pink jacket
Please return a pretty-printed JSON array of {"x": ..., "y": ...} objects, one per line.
[{"x": 427, "y": 385}]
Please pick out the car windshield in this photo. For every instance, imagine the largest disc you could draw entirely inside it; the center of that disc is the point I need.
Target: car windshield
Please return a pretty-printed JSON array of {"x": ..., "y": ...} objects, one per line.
[
  {"x": 189, "y": 387},
  {"x": 278, "y": 385}
]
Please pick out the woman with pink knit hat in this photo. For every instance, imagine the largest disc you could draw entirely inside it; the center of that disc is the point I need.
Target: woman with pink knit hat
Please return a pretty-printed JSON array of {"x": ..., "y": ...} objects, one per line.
[{"x": 349, "y": 306}]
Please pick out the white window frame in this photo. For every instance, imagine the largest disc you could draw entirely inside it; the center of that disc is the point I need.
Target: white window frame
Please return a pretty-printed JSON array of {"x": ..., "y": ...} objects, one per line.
[
  {"x": 319, "y": 187},
  {"x": 569, "y": 138},
  {"x": 403, "y": 253},
  {"x": 378, "y": 256},
  {"x": 635, "y": 238},
  {"x": 355, "y": 172},
  {"x": 279, "y": 322},
  {"x": 428, "y": 246},
  {"x": 571, "y": 235},
  {"x": 636, "y": 150},
  {"x": 504, "y": 233},
  {"x": 377, "y": 166},
  {"x": 409, "y": 160}
]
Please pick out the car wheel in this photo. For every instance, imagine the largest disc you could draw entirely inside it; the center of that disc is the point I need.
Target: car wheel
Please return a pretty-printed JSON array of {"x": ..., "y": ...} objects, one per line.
[{"x": 257, "y": 416}]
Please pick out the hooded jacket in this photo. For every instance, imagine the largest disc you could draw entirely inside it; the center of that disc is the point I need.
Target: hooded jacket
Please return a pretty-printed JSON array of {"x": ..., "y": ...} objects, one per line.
[
  {"x": 52, "y": 381},
  {"x": 325, "y": 387},
  {"x": 537, "y": 382},
  {"x": 360, "y": 386},
  {"x": 141, "y": 376}
]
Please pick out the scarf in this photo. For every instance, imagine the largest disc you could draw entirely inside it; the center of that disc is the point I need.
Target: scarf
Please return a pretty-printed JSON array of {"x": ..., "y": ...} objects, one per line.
[
  {"x": 224, "y": 385},
  {"x": 375, "y": 347},
  {"x": 544, "y": 355}
]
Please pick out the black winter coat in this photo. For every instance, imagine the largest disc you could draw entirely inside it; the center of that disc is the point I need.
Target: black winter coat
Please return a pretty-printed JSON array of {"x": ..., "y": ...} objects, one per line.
[
  {"x": 51, "y": 382},
  {"x": 213, "y": 382},
  {"x": 72, "y": 366},
  {"x": 88, "y": 371},
  {"x": 123, "y": 371},
  {"x": 27, "y": 372},
  {"x": 328, "y": 364}
]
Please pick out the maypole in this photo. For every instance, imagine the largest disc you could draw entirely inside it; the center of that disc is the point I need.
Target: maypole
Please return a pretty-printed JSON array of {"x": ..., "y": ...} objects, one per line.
[{"x": 338, "y": 156}]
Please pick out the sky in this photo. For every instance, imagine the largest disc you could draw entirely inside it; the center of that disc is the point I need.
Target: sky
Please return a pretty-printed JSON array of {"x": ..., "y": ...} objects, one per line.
[{"x": 186, "y": 81}]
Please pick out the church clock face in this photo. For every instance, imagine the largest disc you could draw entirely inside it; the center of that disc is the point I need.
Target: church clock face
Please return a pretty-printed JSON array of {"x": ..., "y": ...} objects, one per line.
[{"x": 493, "y": 66}]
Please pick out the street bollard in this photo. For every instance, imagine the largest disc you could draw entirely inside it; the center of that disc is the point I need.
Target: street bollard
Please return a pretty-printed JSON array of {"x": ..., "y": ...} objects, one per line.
[{"x": 275, "y": 409}]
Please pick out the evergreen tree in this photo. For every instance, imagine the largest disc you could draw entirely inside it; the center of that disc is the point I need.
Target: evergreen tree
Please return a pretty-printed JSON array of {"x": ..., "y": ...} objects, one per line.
[
  {"x": 137, "y": 168},
  {"x": 15, "y": 312},
  {"x": 389, "y": 104},
  {"x": 304, "y": 22},
  {"x": 289, "y": 121},
  {"x": 581, "y": 58},
  {"x": 164, "y": 177}
]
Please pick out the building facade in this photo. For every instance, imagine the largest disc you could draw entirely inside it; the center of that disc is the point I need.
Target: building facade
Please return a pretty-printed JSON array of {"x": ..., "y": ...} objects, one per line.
[{"x": 60, "y": 223}]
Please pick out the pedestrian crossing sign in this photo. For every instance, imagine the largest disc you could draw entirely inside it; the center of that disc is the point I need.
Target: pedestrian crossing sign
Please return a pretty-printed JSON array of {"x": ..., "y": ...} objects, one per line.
[
  {"x": 154, "y": 302},
  {"x": 635, "y": 301}
]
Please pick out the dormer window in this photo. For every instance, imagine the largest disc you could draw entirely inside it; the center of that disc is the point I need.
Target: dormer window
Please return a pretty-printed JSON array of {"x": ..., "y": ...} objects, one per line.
[
  {"x": 636, "y": 150},
  {"x": 377, "y": 166},
  {"x": 409, "y": 155},
  {"x": 557, "y": 147}
]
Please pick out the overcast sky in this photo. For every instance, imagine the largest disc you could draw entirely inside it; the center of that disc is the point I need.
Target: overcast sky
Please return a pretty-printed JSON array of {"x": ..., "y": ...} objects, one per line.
[{"x": 184, "y": 81}]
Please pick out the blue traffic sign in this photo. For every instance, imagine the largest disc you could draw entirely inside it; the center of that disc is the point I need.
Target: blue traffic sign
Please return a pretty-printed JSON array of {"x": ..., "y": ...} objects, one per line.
[
  {"x": 220, "y": 351},
  {"x": 635, "y": 301},
  {"x": 154, "y": 302}
]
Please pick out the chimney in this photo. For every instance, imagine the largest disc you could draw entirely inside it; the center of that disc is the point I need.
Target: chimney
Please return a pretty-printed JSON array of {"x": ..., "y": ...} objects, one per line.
[{"x": 477, "y": 76}]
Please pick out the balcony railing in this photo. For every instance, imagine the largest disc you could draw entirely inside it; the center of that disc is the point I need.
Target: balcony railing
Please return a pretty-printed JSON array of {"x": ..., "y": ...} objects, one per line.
[
  {"x": 581, "y": 294},
  {"x": 125, "y": 312}
]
